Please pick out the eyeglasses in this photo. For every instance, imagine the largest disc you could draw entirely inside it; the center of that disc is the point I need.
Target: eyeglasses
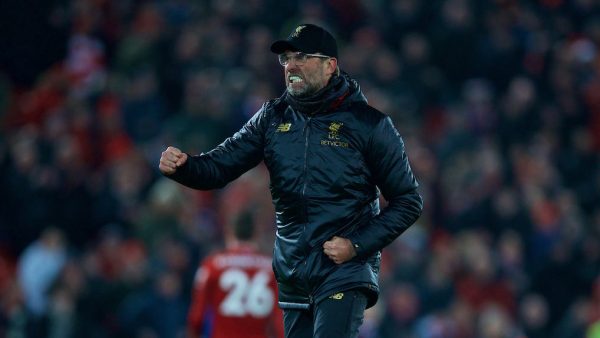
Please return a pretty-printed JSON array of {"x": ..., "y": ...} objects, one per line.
[{"x": 298, "y": 57}]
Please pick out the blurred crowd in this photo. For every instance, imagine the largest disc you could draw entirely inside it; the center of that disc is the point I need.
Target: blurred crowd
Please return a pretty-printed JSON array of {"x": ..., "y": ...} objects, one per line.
[{"x": 498, "y": 102}]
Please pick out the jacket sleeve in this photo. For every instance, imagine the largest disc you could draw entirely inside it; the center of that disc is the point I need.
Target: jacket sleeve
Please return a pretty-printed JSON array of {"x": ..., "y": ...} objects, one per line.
[
  {"x": 393, "y": 176},
  {"x": 236, "y": 155}
]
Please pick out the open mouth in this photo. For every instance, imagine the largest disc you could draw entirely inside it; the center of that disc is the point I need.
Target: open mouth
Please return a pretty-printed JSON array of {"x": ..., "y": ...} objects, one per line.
[{"x": 295, "y": 78}]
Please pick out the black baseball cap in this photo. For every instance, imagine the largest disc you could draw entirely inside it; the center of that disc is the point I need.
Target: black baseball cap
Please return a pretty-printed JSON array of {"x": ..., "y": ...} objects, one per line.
[{"x": 307, "y": 38}]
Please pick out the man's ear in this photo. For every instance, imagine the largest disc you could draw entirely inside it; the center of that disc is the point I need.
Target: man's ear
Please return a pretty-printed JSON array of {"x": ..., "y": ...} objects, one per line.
[{"x": 331, "y": 66}]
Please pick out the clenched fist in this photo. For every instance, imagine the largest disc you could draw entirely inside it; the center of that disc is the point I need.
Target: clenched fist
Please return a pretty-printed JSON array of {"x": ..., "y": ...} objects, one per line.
[
  {"x": 171, "y": 159},
  {"x": 339, "y": 249}
]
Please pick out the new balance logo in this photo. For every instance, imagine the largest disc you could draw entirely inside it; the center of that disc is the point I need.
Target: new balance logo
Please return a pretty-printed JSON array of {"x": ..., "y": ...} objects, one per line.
[
  {"x": 284, "y": 127},
  {"x": 337, "y": 296}
]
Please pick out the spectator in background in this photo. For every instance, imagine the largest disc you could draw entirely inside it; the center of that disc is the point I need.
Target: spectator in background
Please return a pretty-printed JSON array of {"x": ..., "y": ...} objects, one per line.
[
  {"x": 38, "y": 268},
  {"x": 235, "y": 293},
  {"x": 156, "y": 310}
]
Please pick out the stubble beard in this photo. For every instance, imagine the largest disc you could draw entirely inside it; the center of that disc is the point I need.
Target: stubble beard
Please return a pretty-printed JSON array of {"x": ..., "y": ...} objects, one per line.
[{"x": 307, "y": 90}]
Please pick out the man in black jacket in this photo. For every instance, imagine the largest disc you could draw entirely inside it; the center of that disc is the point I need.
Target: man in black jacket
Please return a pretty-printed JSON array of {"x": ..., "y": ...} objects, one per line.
[{"x": 329, "y": 154}]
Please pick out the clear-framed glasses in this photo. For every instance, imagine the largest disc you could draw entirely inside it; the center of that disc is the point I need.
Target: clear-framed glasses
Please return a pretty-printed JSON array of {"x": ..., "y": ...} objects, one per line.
[{"x": 298, "y": 57}]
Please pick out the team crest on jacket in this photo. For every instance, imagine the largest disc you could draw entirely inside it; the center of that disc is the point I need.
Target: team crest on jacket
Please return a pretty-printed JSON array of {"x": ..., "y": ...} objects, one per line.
[
  {"x": 333, "y": 137},
  {"x": 334, "y": 130}
]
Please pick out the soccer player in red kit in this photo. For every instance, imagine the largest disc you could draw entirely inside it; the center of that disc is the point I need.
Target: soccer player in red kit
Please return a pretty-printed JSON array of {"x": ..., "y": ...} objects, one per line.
[{"x": 235, "y": 293}]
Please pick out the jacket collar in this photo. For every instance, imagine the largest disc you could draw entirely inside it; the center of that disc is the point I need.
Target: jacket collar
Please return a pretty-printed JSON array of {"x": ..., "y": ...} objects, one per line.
[{"x": 340, "y": 90}]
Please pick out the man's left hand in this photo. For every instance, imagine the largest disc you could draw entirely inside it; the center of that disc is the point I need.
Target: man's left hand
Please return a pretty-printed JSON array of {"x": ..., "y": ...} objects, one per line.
[{"x": 339, "y": 249}]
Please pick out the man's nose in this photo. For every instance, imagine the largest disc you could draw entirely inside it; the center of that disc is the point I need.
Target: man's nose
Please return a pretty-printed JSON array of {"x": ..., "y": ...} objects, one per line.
[{"x": 291, "y": 65}]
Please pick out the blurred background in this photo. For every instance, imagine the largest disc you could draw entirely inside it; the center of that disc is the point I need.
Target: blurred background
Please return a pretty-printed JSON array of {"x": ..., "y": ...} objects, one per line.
[{"x": 498, "y": 102}]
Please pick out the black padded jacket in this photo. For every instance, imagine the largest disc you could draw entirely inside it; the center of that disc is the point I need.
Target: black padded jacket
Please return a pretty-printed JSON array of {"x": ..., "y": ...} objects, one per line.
[{"x": 326, "y": 172}]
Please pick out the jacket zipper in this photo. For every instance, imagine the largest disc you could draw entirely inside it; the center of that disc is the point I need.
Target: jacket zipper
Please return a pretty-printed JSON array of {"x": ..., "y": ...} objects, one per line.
[
  {"x": 305, "y": 168},
  {"x": 305, "y": 173}
]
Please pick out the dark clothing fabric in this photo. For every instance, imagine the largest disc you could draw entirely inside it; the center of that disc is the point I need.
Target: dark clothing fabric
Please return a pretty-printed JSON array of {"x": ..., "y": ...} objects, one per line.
[
  {"x": 339, "y": 315},
  {"x": 325, "y": 170}
]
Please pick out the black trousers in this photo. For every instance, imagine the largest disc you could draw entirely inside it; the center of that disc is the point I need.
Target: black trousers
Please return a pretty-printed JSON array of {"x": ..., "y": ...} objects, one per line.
[{"x": 338, "y": 316}]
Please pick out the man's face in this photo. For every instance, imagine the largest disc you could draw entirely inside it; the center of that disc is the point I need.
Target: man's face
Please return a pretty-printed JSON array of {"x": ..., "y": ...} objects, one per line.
[{"x": 305, "y": 79}]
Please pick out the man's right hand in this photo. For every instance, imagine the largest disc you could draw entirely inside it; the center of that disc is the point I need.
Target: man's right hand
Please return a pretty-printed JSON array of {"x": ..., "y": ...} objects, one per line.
[{"x": 171, "y": 159}]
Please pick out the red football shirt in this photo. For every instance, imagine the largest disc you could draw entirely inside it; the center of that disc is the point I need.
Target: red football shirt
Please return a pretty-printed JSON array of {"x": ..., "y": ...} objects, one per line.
[{"x": 235, "y": 295}]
